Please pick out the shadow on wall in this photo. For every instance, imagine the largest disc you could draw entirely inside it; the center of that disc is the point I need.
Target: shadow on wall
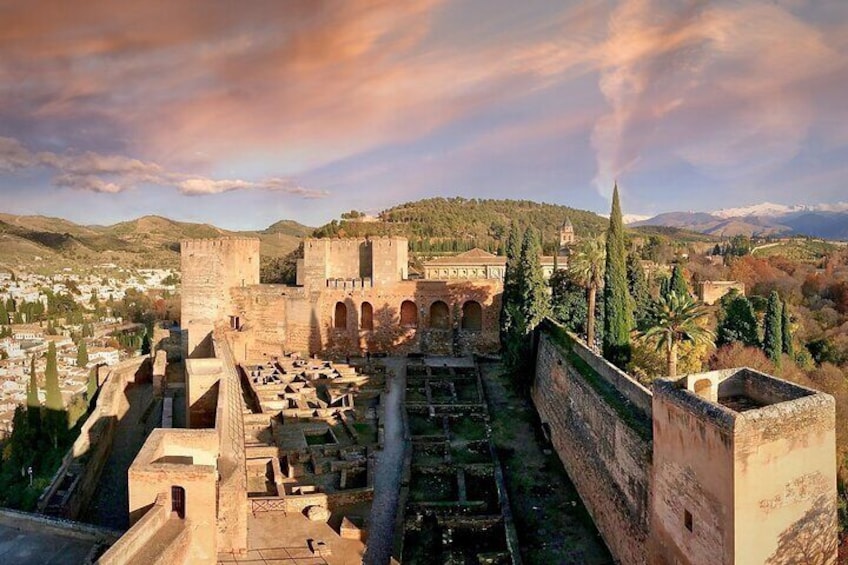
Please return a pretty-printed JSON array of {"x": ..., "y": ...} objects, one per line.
[{"x": 811, "y": 540}]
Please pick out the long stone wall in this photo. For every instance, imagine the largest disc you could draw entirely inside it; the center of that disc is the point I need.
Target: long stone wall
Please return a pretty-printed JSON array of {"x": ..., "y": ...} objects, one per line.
[{"x": 597, "y": 422}]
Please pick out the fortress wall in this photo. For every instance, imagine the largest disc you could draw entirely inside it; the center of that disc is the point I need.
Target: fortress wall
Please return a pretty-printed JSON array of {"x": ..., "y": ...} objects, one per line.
[
  {"x": 606, "y": 455},
  {"x": 711, "y": 292},
  {"x": 390, "y": 259},
  {"x": 210, "y": 268}
]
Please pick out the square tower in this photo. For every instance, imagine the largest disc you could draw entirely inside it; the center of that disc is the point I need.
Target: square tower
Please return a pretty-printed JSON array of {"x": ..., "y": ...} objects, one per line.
[{"x": 744, "y": 471}]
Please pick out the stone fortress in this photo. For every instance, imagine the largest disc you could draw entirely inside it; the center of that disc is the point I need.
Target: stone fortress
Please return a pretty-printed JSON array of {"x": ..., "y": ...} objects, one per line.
[{"x": 724, "y": 467}]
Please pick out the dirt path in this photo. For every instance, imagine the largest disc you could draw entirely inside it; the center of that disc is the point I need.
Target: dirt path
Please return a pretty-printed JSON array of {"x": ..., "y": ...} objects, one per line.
[
  {"x": 552, "y": 523},
  {"x": 389, "y": 471}
]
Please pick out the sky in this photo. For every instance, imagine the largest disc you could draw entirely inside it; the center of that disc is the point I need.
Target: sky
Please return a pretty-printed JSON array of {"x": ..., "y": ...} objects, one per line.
[{"x": 244, "y": 113}]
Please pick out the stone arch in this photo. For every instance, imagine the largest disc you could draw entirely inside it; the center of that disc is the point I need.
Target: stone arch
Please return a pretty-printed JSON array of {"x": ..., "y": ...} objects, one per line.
[
  {"x": 472, "y": 316},
  {"x": 340, "y": 316},
  {"x": 408, "y": 314},
  {"x": 366, "y": 316},
  {"x": 439, "y": 315}
]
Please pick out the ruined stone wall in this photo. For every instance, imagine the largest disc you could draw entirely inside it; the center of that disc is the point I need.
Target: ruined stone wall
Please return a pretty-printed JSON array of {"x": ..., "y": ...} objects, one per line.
[
  {"x": 279, "y": 319},
  {"x": 209, "y": 269},
  {"x": 711, "y": 292},
  {"x": 602, "y": 443}
]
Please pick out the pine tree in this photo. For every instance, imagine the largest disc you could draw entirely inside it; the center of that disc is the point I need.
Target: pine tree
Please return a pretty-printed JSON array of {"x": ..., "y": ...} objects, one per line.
[
  {"x": 738, "y": 322},
  {"x": 678, "y": 281},
  {"x": 82, "y": 354},
  {"x": 786, "y": 332},
  {"x": 532, "y": 289},
  {"x": 618, "y": 319},
  {"x": 51, "y": 380},
  {"x": 637, "y": 284},
  {"x": 773, "y": 339}
]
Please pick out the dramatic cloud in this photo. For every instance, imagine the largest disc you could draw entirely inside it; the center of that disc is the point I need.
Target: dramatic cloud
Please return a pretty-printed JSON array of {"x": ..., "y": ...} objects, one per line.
[{"x": 114, "y": 173}]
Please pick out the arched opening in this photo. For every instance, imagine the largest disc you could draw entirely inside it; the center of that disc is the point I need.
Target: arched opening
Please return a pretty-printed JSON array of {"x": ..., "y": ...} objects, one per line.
[
  {"x": 439, "y": 315},
  {"x": 472, "y": 316},
  {"x": 340, "y": 316},
  {"x": 408, "y": 314},
  {"x": 178, "y": 501},
  {"x": 366, "y": 317}
]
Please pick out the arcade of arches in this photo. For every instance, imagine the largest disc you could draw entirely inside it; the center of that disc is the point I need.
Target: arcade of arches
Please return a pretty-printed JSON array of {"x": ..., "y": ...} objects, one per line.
[{"x": 439, "y": 318}]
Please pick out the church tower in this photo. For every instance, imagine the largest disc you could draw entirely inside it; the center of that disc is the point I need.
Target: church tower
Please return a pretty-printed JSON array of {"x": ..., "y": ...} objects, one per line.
[{"x": 566, "y": 235}]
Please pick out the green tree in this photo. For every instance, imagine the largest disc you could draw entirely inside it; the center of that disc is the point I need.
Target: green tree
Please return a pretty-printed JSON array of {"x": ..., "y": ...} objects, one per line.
[
  {"x": 51, "y": 380},
  {"x": 738, "y": 322},
  {"x": 586, "y": 268},
  {"x": 618, "y": 317},
  {"x": 91, "y": 390},
  {"x": 786, "y": 332},
  {"x": 82, "y": 354},
  {"x": 772, "y": 325},
  {"x": 568, "y": 302},
  {"x": 509, "y": 297},
  {"x": 532, "y": 293},
  {"x": 678, "y": 281},
  {"x": 4, "y": 315},
  {"x": 33, "y": 403},
  {"x": 637, "y": 284},
  {"x": 676, "y": 318}
]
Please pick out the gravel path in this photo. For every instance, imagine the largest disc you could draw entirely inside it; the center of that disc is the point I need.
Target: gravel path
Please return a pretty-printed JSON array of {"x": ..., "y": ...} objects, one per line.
[{"x": 389, "y": 471}]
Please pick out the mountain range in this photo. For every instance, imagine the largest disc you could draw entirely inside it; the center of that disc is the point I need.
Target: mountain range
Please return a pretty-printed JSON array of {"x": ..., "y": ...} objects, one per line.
[{"x": 827, "y": 221}]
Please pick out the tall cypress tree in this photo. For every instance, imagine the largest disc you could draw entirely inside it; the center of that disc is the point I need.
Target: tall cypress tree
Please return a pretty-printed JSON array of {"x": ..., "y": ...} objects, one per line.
[
  {"x": 637, "y": 284},
  {"x": 51, "y": 380},
  {"x": 33, "y": 404},
  {"x": 773, "y": 338},
  {"x": 786, "y": 331},
  {"x": 678, "y": 282},
  {"x": 82, "y": 354},
  {"x": 532, "y": 292},
  {"x": 618, "y": 319},
  {"x": 509, "y": 297}
]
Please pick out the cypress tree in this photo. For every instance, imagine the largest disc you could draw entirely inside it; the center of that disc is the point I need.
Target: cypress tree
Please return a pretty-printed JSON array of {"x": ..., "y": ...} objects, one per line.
[
  {"x": 618, "y": 319},
  {"x": 51, "y": 380},
  {"x": 637, "y": 284},
  {"x": 33, "y": 404},
  {"x": 738, "y": 323},
  {"x": 509, "y": 298},
  {"x": 82, "y": 354},
  {"x": 4, "y": 315},
  {"x": 531, "y": 291},
  {"x": 773, "y": 339},
  {"x": 678, "y": 282},
  {"x": 786, "y": 331},
  {"x": 92, "y": 384}
]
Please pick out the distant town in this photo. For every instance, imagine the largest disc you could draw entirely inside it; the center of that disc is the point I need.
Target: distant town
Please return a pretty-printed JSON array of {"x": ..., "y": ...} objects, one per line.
[{"x": 84, "y": 315}]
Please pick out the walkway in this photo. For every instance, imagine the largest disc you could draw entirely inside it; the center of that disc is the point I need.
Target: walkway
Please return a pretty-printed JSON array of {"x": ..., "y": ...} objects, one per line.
[
  {"x": 110, "y": 503},
  {"x": 389, "y": 470}
]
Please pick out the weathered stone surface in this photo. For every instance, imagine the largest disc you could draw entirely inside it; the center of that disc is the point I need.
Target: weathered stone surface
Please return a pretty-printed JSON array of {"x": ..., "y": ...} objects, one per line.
[{"x": 317, "y": 513}]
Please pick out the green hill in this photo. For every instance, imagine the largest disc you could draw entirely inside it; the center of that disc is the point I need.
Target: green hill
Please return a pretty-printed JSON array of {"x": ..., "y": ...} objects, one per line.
[{"x": 437, "y": 225}]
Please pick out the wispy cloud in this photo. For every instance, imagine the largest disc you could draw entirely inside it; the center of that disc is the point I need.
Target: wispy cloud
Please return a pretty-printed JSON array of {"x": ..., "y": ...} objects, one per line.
[{"x": 115, "y": 173}]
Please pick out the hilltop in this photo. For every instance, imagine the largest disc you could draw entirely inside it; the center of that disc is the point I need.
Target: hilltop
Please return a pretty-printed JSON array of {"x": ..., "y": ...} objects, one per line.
[{"x": 144, "y": 242}]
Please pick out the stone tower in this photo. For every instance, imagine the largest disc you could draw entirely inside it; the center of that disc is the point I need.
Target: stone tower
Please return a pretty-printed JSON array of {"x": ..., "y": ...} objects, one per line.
[
  {"x": 210, "y": 268},
  {"x": 744, "y": 471},
  {"x": 566, "y": 235}
]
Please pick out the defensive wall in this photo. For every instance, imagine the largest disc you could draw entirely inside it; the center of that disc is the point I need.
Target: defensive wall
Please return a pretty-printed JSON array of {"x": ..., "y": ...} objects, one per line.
[
  {"x": 598, "y": 420},
  {"x": 711, "y": 292},
  {"x": 724, "y": 467}
]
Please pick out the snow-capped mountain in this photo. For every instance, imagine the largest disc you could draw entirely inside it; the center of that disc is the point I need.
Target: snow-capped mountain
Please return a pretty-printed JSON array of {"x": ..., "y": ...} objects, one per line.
[{"x": 829, "y": 221}]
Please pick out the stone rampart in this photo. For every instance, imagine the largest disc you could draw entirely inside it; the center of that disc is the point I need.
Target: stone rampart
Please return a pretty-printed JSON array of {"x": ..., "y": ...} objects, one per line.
[{"x": 602, "y": 436}]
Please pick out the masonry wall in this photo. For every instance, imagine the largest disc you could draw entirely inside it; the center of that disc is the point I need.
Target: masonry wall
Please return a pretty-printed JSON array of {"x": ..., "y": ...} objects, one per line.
[
  {"x": 606, "y": 456},
  {"x": 210, "y": 268},
  {"x": 278, "y": 319}
]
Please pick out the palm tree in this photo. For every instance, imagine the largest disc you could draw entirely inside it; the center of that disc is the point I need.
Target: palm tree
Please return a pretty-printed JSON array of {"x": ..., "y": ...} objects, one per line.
[
  {"x": 675, "y": 319},
  {"x": 586, "y": 268}
]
